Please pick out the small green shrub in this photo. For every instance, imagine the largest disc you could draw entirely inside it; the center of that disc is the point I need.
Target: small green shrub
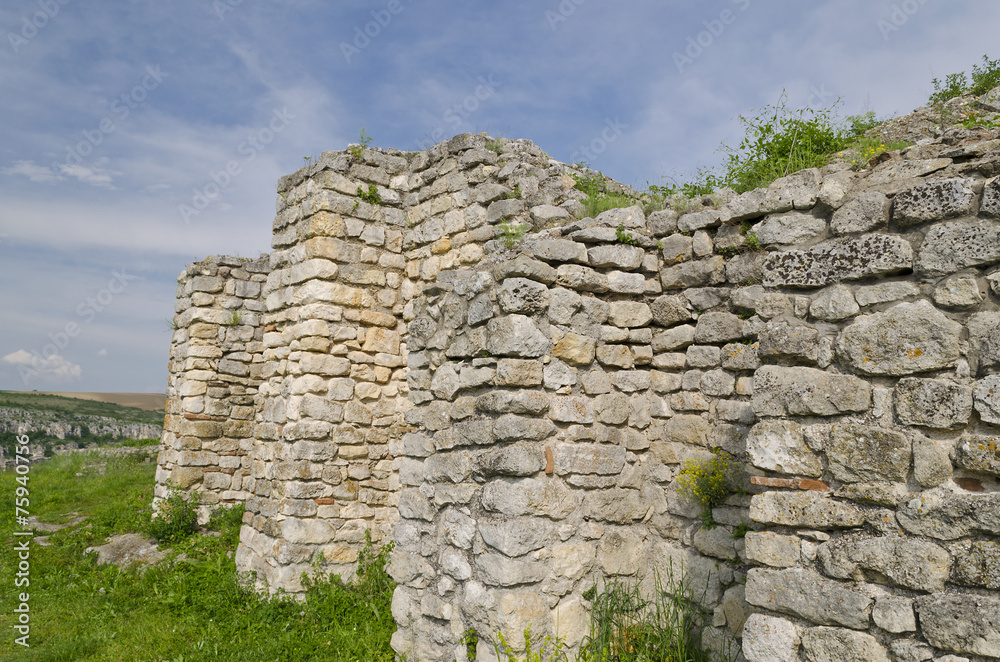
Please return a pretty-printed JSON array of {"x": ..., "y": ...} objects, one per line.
[
  {"x": 708, "y": 482},
  {"x": 371, "y": 196},
  {"x": 625, "y": 237},
  {"x": 364, "y": 140},
  {"x": 496, "y": 145},
  {"x": 550, "y": 649},
  {"x": 984, "y": 79},
  {"x": 511, "y": 233},
  {"x": 177, "y": 518},
  {"x": 752, "y": 242},
  {"x": 234, "y": 318}
]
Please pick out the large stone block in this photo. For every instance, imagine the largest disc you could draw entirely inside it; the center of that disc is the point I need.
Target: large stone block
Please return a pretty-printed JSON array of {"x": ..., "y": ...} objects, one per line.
[
  {"x": 979, "y": 453},
  {"x": 522, "y": 295},
  {"x": 780, "y": 391},
  {"x": 808, "y": 595},
  {"x": 529, "y": 496},
  {"x": 899, "y": 561},
  {"x": 804, "y": 509},
  {"x": 773, "y": 549},
  {"x": 718, "y": 328},
  {"x": 771, "y": 639},
  {"x": 517, "y": 537},
  {"x": 978, "y": 564},
  {"x": 777, "y": 445},
  {"x": 908, "y": 338},
  {"x": 955, "y": 245},
  {"x": 701, "y": 273},
  {"x": 860, "y": 453},
  {"x": 963, "y": 623},
  {"x": 784, "y": 341},
  {"x": 869, "y": 211},
  {"x": 932, "y": 403},
  {"x": 790, "y": 228},
  {"x": 945, "y": 514},
  {"x": 602, "y": 459},
  {"x": 837, "y": 645},
  {"x": 838, "y": 260},
  {"x": 515, "y": 335},
  {"x": 934, "y": 200},
  {"x": 987, "y": 398}
]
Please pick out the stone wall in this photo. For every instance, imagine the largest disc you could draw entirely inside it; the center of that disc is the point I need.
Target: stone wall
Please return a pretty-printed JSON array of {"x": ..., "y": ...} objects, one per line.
[
  {"x": 513, "y": 412},
  {"x": 216, "y": 364}
]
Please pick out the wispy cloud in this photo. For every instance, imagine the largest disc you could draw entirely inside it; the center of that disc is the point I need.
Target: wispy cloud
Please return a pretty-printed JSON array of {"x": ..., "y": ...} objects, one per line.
[{"x": 54, "y": 369}]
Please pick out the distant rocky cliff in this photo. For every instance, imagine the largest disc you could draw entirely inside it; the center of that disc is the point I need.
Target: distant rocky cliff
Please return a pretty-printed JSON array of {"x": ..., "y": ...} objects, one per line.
[{"x": 20, "y": 421}]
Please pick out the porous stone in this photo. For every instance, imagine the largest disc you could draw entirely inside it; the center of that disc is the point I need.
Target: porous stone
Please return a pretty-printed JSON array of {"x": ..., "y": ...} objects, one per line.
[
  {"x": 778, "y": 445},
  {"x": 573, "y": 348},
  {"x": 616, "y": 256},
  {"x": 984, "y": 340},
  {"x": 824, "y": 644},
  {"x": 770, "y": 639},
  {"x": 959, "y": 291},
  {"x": 978, "y": 564},
  {"x": 560, "y": 250},
  {"x": 676, "y": 249},
  {"x": 961, "y": 623},
  {"x": 773, "y": 549},
  {"x": 931, "y": 461},
  {"x": 806, "y": 509},
  {"x": 516, "y": 537},
  {"x": 670, "y": 309},
  {"x": 700, "y": 273},
  {"x": 869, "y": 211},
  {"x": 718, "y": 328},
  {"x": 515, "y": 335},
  {"x": 584, "y": 279},
  {"x": 914, "y": 564},
  {"x": 944, "y": 514},
  {"x": 860, "y": 453},
  {"x": 979, "y": 453},
  {"x": 790, "y": 228},
  {"x": 717, "y": 541},
  {"x": 834, "y": 304},
  {"x": 932, "y": 403},
  {"x": 894, "y": 614},
  {"x": 521, "y": 295},
  {"x": 838, "y": 260},
  {"x": 987, "y": 398},
  {"x": 949, "y": 247},
  {"x": 779, "y": 391},
  {"x": 808, "y": 595},
  {"x": 870, "y": 295},
  {"x": 933, "y": 201},
  {"x": 906, "y": 339},
  {"x": 794, "y": 341},
  {"x": 629, "y": 314}
]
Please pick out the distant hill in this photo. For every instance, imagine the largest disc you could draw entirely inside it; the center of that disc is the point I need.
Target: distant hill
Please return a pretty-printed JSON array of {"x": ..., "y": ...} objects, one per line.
[{"x": 125, "y": 407}]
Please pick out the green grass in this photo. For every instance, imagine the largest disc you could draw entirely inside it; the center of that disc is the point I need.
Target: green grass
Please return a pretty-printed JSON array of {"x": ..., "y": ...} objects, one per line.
[{"x": 181, "y": 610}]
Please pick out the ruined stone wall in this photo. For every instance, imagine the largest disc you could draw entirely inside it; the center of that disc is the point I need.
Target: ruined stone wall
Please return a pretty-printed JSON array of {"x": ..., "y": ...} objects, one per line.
[
  {"x": 513, "y": 412},
  {"x": 216, "y": 363}
]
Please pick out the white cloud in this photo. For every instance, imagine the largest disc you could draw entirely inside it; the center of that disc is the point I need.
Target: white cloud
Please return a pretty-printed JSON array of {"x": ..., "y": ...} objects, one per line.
[
  {"x": 34, "y": 172},
  {"x": 103, "y": 352},
  {"x": 95, "y": 176},
  {"x": 34, "y": 368}
]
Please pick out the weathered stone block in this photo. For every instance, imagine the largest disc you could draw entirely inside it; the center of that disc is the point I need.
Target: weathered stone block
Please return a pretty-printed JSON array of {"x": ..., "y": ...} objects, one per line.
[
  {"x": 837, "y": 645},
  {"x": 907, "y": 338},
  {"x": 771, "y": 639},
  {"x": 978, "y": 564},
  {"x": 529, "y": 496},
  {"x": 516, "y": 537},
  {"x": 701, "y": 273},
  {"x": 616, "y": 256},
  {"x": 869, "y": 211},
  {"x": 932, "y": 403},
  {"x": 790, "y": 228},
  {"x": 805, "y": 509},
  {"x": 979, "y": 453},
  {"x": 956, "y": 245},
  {"x": 602, "y": 459},
  {"x": 777, "y": 445},
  {"x": 894, "y": 614},
  {"x": 944, "y": 514},
  {"x": 834, "y": 304},
  {"x": 934, "y": 200},
  {"x": 781, "y": 340},
  {"x": 521, "y": 295},
  {"x": 779, "y": 391},
  {"x": 841, "y": 259},
  {"x": 910, "y": 563},
  {"x": 515, "y": 335},
  {"x": 773, "y": 549},
  {"x": 809, "y": 595},
  {"x": 959, "y": 291},
  {"x": 718, "y": 328},
  {"x": 987, "y": 399},
  {"x": 860, "y": 453},
  {"x": 962, "y": 623}
]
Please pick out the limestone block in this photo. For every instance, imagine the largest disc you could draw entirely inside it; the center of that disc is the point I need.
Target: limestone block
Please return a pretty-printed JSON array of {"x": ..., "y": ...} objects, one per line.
[
  {"x": 559, "y": 250},
  {"x": 934, "y": 200},
  {"x": 717, "y": 541},
  {"x": 955, "y": 245},
  {"x": 932, "y": 403},
  {"x": 629, "y": 314},
  {"x": 788, "y": 341},
  {"x": 959, "y": 291},
  {"x": 771, "y": 639},
  {"x": 789, "y": 228},
  {"x": 737, "y": 356},
  {"x": 825, "y": 644},
  {"x": 706, "y": 218},
  {"x": 944, "y": 514},
  {"x": 522, "y": 295},
  {"x": 979, "y": 453},
  {"x": 860, "y": 453},
  {"x": 778, "y": 445},
  {"x": 961, "y": 623},
  {"x": 674, "y": 339},
  {"x": 616, "y": 505},
  {"x": 700, "y": 273},
  {"x": 870, "y": 295},
  {"x": 620, "y": 552},
  {"x": 718, "y": 328},
  {"x": 869, "y": 211},
  {"x": 899, "y": 561},
  {"x": 583, "y": 279},
  {"x": 630, "y": 217},
  {"x": 524, "y": 267},
  {"x": 602, "y": 459},
  {"x": 702, "y": 356},
  {"x": 514, "y": 460},
  {"x": 518, "y": 372},
  {"x": 805, "y": 509},
  {"x": 517, "y": 537},
  {"x": 772, "y": 549},
  {"x": 837, "y": 260},
  {"x": 978, "y": 564},
  {"x": 894, "y": 614},
  {"x": 619, "y": 356},
  {"x": 808, "y": 595},
  {"x": 557, "y": 375},
  {"x": 515, "y": 335},
  {"x": 834, "y": 304},
  {"x": 907, "y": 338},
  {"x": 778, "y": 391},
  {"x": 616, "y": 256},
  {"x": 518, "y": 611},
  {"x": 987, "y": 398},
  {"x": 984, "y": 340},
  {"x": 529, "y": 496},
  {"x": 677, "y": 248},
  {"x": 991, "y": 199},
  {"x": 931, "y": 460},
  {"x": 745, "y": 268}
]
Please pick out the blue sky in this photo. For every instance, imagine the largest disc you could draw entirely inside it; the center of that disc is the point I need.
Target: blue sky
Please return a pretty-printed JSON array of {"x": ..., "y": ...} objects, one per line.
[{"x": 117, "y": 115}]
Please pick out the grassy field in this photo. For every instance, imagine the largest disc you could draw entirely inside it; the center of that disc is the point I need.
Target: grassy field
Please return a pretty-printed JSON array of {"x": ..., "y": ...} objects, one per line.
[
  {"x": 66, "y": 408},
  {"x": 184, "y": 609}
]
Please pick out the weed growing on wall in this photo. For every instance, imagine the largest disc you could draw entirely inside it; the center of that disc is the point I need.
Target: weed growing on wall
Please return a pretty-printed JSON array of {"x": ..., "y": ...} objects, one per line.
[
  {"x": 708, "y": 482},
  {"x": 984, "y": 79},
  {"x": 511, "y": 233}
]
